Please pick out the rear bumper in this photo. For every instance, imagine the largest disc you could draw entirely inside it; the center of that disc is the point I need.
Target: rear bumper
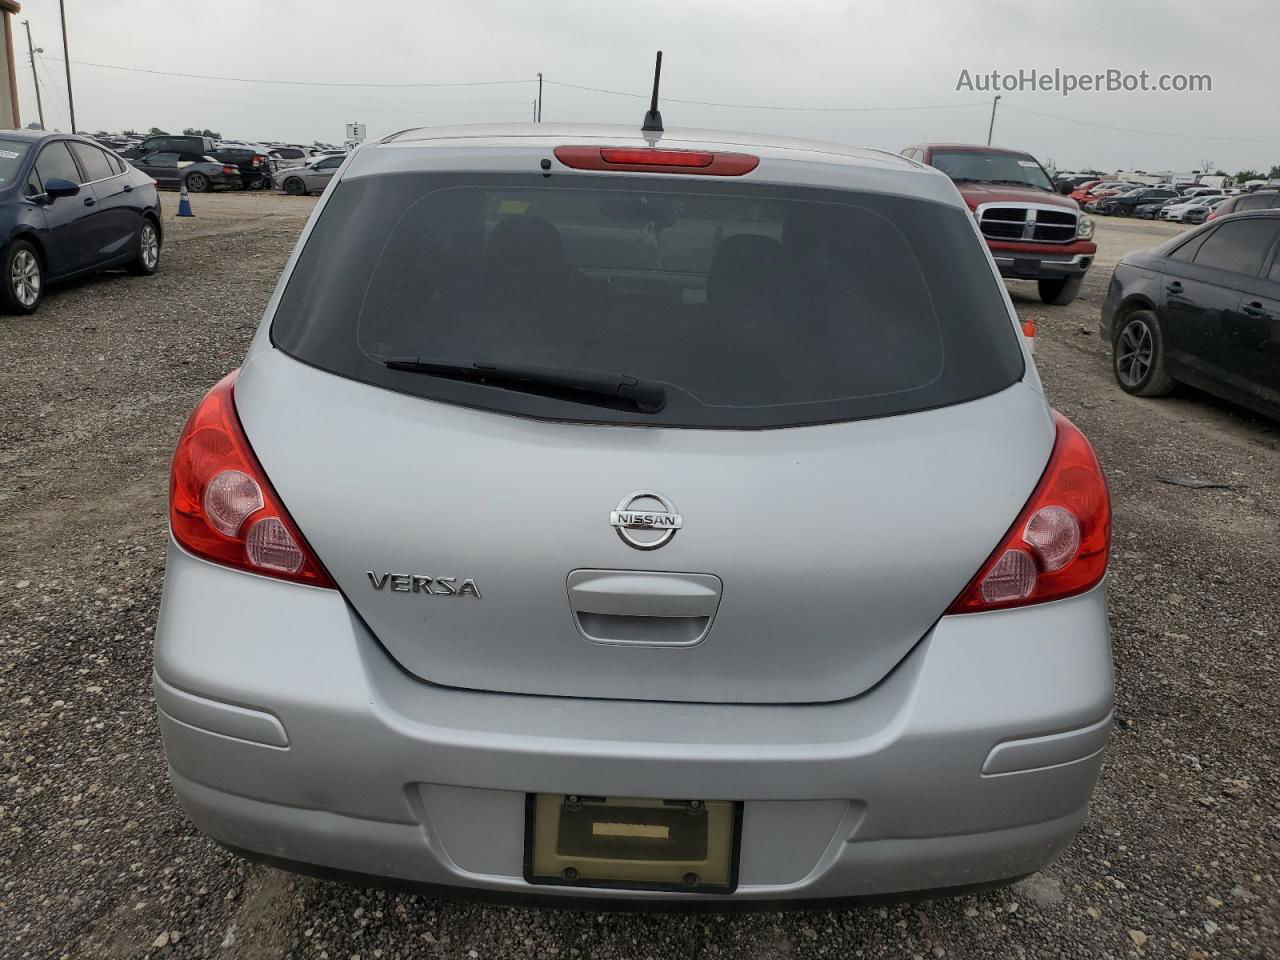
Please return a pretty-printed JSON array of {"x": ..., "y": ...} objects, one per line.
[{"x": 291, "y": 734}]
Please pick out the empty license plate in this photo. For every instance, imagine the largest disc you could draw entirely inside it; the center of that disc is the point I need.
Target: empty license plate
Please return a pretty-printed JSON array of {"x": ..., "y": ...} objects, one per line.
[{"x": 640, "y": 844}]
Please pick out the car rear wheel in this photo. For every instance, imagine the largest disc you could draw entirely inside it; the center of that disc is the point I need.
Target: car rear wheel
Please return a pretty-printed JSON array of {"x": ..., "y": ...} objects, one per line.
[
  {"x": 295, "y": 187},
  {"x": 24, "y": 278},
  {"x": 1060, "y": 292},
  {"x": 1137, "y": 356},
  {"x": 197, "y": 183},
  {"x": 147, "y": 259}
]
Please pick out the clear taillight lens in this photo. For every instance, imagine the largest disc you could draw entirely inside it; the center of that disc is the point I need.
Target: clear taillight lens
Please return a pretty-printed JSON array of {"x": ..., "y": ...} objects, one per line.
[{"x": 229, "y": 498}]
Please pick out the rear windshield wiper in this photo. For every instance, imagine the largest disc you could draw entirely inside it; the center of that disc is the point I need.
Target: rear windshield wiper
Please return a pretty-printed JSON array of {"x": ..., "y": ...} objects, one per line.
[{"x": 584, "y": 386}]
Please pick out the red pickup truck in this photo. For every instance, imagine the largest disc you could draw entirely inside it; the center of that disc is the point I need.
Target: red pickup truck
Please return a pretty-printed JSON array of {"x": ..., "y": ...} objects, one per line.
[{"x": 1034, "y": 233}]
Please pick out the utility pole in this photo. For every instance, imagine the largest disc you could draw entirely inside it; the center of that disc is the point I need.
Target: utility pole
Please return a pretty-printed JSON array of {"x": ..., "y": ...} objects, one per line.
[
  {"x": 537, "y": 113},
  {"x": 66, "y": 57},
  {"x": 31, "y": 52},
  {"x": 991, "y": 129}
]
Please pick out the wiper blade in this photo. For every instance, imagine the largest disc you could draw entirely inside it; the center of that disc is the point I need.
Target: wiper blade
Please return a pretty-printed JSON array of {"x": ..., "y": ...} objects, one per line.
[
  {"x": 647, "y": 396},
  {"x": 1022, "y": 183}
]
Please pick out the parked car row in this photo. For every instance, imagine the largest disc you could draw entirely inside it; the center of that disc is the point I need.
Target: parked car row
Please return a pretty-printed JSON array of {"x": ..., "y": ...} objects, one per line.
[
  {"x": 1180, "y": 209},
  {"x": 200, "y": 160},
  {"x": 202, "y": 164}
]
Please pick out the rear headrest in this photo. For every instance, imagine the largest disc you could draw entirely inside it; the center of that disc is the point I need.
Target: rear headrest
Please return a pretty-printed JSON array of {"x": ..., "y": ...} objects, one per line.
[
  {"x": 745, "y": 269},
  {"x": 525, "y": 243}
]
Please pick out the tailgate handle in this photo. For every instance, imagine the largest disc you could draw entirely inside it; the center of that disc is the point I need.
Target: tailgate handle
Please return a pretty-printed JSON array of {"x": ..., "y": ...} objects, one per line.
[{"x": 646, "y": 608}]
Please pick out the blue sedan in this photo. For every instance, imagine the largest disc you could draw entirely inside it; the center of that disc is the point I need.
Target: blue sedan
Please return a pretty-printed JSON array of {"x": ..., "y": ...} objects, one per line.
[{"x": 69, "y": 207}]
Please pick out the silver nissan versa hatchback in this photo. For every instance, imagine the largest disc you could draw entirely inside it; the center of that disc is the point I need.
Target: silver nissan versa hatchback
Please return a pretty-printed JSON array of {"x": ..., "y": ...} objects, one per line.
[{"x": 664, "y": 518}]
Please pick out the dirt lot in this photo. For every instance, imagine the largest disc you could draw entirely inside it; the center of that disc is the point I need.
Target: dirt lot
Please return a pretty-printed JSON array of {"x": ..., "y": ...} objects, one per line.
[{"x": 1181, "y": 857}]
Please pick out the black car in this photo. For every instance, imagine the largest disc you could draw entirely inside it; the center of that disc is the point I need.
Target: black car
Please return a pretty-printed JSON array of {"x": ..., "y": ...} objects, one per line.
[
  {"x": 1203, "y": 309},
  {"x": 171, "y": 170},
  {"x": 1125, "y": 204},
  {"x": 254, "y": 166},
  {"x": 1150, "y": 209},
  {"x": 189, "y": 148},
  {"x": 68, "y": 207}
]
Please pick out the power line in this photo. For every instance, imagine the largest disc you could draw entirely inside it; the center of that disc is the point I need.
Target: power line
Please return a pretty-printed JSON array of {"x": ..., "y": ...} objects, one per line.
[
  {"x": 558, "y": 83},
  {"x": 1147, "y": 133},
  {"x": 301, "y": 83},
  {"x": 354, "y": 99},
  {"x": 564, "y": 84},
  {"x": 763, "y": 106}
]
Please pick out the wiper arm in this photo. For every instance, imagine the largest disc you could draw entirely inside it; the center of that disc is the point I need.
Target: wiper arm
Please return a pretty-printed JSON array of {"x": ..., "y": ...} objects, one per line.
[{"x": 648, "y": 396}]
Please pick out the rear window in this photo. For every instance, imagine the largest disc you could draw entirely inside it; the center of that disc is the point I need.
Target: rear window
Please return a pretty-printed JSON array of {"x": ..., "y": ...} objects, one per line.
[{"x": 753, "y": 305}]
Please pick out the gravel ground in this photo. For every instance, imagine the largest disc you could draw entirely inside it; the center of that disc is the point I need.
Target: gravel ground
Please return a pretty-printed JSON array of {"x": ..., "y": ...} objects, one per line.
[{"x": 1180, "y": 858}]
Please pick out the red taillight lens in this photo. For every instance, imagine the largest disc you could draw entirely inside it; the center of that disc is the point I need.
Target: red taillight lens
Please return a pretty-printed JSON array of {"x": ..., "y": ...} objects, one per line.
[
  {"x": 228, "y": 169},
  {"x": 666, "y": 158},
  {"x": 1059, "y": 545},
  {"x": 657, "y": 160},
  {"x": 221, "y": 505}
]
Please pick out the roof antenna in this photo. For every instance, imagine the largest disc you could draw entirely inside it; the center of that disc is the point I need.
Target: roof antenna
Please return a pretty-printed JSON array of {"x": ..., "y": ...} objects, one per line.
[{"x": 652, "y": 118}]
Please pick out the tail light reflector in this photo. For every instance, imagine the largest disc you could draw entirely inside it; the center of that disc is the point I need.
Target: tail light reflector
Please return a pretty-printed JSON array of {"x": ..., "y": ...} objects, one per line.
[
  {"x": 1058, "y": 546},
  {"x": 657, "y": 160},
  {"x": 221, "y": 504}
]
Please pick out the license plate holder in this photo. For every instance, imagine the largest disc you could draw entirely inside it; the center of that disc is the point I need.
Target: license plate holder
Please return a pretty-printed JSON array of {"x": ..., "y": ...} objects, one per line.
[
  {"x": 1026, "y": 268},
  {"x": 689, "y": 846}
]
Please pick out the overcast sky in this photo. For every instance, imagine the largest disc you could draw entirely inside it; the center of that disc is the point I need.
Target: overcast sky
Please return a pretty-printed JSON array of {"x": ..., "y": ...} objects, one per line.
[{"x": 790, "y": 53}]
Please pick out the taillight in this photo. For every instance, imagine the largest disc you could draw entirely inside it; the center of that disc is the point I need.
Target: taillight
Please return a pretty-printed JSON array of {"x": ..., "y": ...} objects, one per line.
[
  {"x": 221, "y": 505},
  {"x": 657, "y": 160},
  {"x": 228, "y": 169},
  {"x": 1059, "y": 544},
  {"x": 258, "y": 159}
]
